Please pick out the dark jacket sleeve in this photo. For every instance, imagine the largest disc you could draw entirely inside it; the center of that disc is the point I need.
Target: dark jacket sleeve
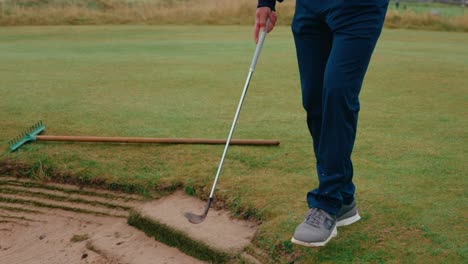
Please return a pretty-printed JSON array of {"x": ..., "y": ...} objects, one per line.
[{"x": 268, "y": 3}]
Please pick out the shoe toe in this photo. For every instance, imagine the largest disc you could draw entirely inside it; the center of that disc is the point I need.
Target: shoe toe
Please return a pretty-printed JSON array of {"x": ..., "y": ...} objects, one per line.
[{"x": 307, "y": 233}]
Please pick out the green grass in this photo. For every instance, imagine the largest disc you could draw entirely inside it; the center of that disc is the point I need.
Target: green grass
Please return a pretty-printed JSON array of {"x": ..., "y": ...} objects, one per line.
[{"x": 185, "y": 81}]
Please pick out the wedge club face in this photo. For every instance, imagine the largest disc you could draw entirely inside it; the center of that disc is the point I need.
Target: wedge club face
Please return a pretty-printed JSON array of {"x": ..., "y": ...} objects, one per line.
[
  {"x": 197, "y": 219},
  {"x": 194, "y": 218}
]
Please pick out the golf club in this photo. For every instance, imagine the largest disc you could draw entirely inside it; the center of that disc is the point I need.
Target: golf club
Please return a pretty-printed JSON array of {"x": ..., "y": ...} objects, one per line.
[{"x": 197, "y": 219}]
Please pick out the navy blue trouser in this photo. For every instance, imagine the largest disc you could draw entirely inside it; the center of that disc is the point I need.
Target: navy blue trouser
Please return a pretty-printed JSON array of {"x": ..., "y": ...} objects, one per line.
[{"x": 334, "y": 43}]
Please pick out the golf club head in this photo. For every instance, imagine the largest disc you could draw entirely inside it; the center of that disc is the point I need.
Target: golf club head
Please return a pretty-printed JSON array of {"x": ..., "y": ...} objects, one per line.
[
  {"x": 194, "y": 218},
  {"x": 197, "y": 219}
]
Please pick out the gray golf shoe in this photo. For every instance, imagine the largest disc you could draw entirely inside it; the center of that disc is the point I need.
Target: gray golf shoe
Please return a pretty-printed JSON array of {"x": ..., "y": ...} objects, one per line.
[
  {"x": 316, "y": 230},
  {"x": 347, "y": 215}
]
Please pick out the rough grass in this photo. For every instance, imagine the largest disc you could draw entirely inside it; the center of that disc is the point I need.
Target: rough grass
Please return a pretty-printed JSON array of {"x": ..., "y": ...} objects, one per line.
[
  {"x": 124, "y": 12},
  {"x": 185, "y": 81},
  {"x": 201, "y": 12},
  {"x": 438, "y": 9},
  {"x": 412, "y": 20}
]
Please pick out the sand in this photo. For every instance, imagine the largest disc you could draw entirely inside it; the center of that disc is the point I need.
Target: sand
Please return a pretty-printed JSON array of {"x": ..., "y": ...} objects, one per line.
[
  {"x": 218, "y": 231},
  {"x": 60, "y": 236},
  {"x": 57, "y": 223}
]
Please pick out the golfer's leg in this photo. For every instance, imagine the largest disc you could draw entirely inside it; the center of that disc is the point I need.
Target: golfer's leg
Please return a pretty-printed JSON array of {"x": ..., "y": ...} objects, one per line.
[
  {"x": 313, "y": 43},
  {"x": 356, "y": 28}
]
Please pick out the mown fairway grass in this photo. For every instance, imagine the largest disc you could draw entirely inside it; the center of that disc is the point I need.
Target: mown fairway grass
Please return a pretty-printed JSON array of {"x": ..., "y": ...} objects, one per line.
[{"x": 185, "y": 81}]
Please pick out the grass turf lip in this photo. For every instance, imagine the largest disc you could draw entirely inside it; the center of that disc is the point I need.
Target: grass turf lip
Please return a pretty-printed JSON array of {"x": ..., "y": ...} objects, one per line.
[
  {"x": 44, "y": 170},
  {"x": 178, "y": 239}
]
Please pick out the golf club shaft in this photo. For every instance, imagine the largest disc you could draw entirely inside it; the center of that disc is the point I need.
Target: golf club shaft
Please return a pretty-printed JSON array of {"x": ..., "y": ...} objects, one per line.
[{"x": 241, "y": 101}]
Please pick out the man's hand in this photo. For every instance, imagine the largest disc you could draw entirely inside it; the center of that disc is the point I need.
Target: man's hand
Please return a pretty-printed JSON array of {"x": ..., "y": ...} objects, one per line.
[{"x": 260, "y": 20}]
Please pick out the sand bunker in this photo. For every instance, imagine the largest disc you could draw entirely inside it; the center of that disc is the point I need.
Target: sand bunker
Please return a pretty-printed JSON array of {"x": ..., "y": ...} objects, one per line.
[
  {"x": 39, "y": 225},
  {"x": 55, "y": 223}
]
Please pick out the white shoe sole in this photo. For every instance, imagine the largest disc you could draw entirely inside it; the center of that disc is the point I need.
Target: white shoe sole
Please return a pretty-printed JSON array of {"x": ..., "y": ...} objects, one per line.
[
  {"x": 350, "y": 220},
  {"x": 333, "y": 234}
]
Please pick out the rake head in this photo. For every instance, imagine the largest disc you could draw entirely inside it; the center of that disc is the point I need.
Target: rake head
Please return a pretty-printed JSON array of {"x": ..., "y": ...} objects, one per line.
[{"x": 28, "y": 135}]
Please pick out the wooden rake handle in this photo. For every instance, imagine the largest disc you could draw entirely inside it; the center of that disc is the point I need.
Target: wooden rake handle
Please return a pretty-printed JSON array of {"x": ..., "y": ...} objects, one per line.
[{"x": 258, "y": 142}]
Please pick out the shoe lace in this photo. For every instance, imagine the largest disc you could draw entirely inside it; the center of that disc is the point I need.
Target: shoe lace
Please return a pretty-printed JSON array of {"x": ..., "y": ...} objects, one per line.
[{"x": 314, "y": 217}]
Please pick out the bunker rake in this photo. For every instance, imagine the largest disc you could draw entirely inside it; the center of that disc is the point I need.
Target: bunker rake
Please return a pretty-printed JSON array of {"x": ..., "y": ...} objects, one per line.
[{"x": 33, "y": 134}]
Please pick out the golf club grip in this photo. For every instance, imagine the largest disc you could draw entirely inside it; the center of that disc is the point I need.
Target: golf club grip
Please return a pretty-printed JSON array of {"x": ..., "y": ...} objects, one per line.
[
  {"x": 261, "y": 39},
  {"x": 258, "y": 142}
]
